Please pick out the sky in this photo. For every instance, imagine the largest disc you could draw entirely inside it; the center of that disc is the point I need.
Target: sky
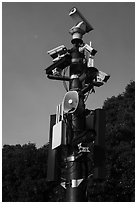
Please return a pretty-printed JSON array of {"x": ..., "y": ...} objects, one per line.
[{"x": 29, "y": 30}]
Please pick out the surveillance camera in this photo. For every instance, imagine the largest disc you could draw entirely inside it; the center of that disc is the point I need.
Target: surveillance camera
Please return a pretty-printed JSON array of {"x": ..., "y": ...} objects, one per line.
[
  {"x": 101, "y": 78},
  {"x": 58, "y": 52},
  {"x": 89, "y": 49},
  {"x": 78, "y": 17},
  {"x": 61, "y": 64}
]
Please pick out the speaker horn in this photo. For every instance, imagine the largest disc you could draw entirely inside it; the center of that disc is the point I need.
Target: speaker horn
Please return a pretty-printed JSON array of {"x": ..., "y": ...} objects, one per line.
[{"x": 70, "y": 102}]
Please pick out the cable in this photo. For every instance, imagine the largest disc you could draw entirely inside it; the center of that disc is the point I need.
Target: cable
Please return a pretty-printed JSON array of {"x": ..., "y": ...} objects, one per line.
[
  {"x": 86, "y": 97},
  {"x": 89, "y": 92},
  {"x": 65, "y": 86},
  {"x": 64, "y": 82}
]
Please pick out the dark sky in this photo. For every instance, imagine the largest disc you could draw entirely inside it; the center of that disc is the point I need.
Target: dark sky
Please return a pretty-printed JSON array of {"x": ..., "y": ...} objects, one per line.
[{"x": 29, "y": 30}]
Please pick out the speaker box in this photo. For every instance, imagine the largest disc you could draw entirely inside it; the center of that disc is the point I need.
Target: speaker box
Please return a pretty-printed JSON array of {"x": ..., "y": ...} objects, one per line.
[{"x": 70, "y": 102}]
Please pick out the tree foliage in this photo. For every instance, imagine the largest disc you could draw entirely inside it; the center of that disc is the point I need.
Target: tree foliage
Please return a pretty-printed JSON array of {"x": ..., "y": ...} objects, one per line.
[
  {"x": 24, "y": 173},
  {"x": 119, "y": 185},
  {"x": 24, "y": 168}
]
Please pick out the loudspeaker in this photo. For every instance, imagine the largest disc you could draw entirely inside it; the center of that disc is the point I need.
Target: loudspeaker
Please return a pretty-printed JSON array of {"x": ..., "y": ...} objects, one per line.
[{"x": 70, "y": 102}]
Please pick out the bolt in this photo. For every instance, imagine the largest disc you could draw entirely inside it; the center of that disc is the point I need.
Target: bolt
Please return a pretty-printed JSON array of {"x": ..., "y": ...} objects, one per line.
[{"x": 70, "y": 101}]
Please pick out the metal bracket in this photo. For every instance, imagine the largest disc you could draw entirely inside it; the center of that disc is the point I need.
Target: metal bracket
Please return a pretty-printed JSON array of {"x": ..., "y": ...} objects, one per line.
[
  {"x": 72, "y": 183},
  {"x": 83, "y": 149},
  {"x": 72, "y": 158}
]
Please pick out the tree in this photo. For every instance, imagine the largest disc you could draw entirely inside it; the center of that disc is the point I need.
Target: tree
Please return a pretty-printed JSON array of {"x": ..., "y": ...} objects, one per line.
[
  {"x": 24, "y": 173},
  {"x": 119, "y": 185}
]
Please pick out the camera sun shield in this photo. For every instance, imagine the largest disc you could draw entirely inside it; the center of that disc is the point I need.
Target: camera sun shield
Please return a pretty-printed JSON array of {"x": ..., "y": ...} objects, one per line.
[{"x": 78, "y": 17}]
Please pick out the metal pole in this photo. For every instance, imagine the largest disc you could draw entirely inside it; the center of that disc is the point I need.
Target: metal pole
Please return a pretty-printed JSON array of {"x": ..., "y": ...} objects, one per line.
[{"x": 75, "y": 187}]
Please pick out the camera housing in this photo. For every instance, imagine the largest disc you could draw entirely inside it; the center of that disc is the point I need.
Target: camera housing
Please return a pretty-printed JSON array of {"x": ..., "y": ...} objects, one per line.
[
  {"x": 78, "y": 17},
  {"x": 61, "y": 64},
  {"x": 61, "y": 59},
  {"x": 102, "y": 77},
  {"x": 58, "y": 52},
  {"x": 89, "y": 49}
]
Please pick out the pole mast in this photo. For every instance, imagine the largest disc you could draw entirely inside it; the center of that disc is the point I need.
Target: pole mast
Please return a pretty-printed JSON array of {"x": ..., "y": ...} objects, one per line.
[
  {"x": 75, "y": 191},
  {"x": 74, "y": 127}
]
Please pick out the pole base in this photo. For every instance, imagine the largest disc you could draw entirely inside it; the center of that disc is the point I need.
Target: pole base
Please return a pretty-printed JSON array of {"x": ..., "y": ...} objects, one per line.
[{"x": 77, "y": 194}]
